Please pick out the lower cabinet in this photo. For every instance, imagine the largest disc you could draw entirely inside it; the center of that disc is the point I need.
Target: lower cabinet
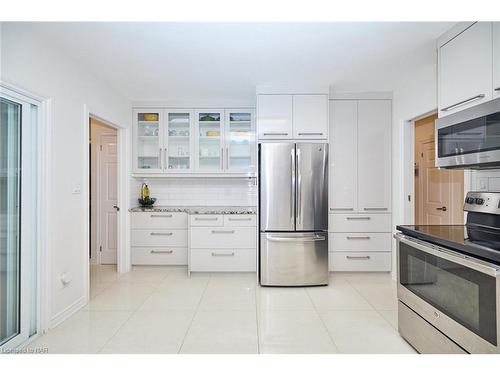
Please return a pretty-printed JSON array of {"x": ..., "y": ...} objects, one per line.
[
  {"x": 231, "y": 247},
  {"x": 360, "y": 243},
  {"x": 159, "y": 238}
]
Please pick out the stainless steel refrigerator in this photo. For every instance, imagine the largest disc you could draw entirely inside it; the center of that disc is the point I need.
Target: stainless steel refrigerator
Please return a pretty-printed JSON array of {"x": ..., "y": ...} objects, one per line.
[{"x": 293, "y": 214}]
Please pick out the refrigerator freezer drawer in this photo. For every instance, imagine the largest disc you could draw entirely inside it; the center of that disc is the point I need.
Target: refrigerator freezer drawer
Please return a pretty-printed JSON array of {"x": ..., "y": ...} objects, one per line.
[{"x": 294, "y": 259}]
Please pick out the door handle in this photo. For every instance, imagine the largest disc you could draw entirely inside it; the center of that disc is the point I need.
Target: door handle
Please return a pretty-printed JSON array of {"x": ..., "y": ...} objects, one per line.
[
  {"x": 292, "y": 186},
  {"x": 441, "y": 208},
  {"x": 116, "y": 207},
  {"x": 161, "y": 251},
  {"x": 296, "y": 239},
  {"x": 166, "y": 158},
  {"x": 350, "y": 257},
  {"x": 299, "y": 188},
  {"x": 477, "y": 97},
  {"x": 497, "y": 89}
]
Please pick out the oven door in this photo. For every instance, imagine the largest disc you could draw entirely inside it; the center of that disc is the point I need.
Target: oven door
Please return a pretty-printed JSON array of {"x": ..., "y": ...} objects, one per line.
[{"x": 456, "y": 294}]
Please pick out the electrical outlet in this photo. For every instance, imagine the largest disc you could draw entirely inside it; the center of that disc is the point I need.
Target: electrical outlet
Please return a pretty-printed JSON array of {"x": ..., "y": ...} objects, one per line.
[
  {"x": 483, "y": 184},
  {"x": 76, "y": 189},
  {"x": 65, "y": 279}
]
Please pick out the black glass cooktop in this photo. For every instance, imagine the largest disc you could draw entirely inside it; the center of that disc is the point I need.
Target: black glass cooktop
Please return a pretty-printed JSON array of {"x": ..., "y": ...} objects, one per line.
[{"x": 474, "y": 240}]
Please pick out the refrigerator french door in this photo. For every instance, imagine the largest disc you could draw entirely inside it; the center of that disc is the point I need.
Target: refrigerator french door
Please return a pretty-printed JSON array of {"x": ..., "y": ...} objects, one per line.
[{"x": 293, "y": 198}]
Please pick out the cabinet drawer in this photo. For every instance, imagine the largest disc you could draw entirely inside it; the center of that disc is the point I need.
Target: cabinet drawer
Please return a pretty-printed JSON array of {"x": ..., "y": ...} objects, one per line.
[
  {"x": 159, "y": 237},
  {"x": 159, "y": 220},
  {"x": 360, "y": 242},
  {"x": 159, "y": 256},
  {"x": 206, "y": 220},
  {"x": 359, "y": 223},
  {"x": 223, "y": 238},
  {"x": 240, "y": 220},
  {"x": 360, "y": 261},
  {"x": 223, "y": 260}
]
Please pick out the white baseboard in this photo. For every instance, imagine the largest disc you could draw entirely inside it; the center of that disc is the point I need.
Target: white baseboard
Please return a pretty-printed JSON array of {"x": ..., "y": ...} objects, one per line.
[{"x": 67, "y": 312}]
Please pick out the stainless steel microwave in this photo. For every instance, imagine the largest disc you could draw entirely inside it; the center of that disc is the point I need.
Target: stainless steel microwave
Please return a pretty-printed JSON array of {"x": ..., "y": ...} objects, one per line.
[{"x": 470, "y": 139}]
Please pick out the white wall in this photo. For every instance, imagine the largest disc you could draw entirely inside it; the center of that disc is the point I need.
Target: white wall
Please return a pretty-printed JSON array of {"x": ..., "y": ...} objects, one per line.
[
  {"x": 198, "y": 192},
  {"x": 34, "y": 64}
]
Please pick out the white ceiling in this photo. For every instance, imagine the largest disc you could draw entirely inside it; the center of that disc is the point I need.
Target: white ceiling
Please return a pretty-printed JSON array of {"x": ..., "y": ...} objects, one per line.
[{"x": 189, "y": 61}]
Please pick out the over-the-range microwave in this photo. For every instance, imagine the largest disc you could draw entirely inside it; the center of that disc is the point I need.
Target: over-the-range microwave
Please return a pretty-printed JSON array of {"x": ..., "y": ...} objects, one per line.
[{"x": 470, "y": 139}]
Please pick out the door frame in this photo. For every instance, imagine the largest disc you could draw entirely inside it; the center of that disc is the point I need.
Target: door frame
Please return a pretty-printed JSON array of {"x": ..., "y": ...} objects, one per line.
[
  {"x": 408, "y": 152},
  {"x": 42, "y": 189},
  {"x": 123, "y": 187}
]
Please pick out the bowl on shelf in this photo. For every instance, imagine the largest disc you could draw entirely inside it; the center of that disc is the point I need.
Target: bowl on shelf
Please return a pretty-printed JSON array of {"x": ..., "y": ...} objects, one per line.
[
  {"x": 148, "y": 202},
  {"x": 213, "y": 133},
  {"x": 151, "y": 117}
]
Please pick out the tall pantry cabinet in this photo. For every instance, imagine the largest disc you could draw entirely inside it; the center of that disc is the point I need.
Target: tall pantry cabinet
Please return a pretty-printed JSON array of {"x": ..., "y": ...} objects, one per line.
[{"x": 360, "y": 185}]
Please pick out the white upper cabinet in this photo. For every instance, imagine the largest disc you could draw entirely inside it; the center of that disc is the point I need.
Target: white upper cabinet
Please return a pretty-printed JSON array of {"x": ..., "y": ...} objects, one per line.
[
  {"x": 496, "y": 59},
  {"x": 210, "y": 141},
  {"x": 310, "y": 116},
  {"x": 274, "y": 116},
  {"x": 465, "y": 69},
  {"x": 178, "y": 141},
  {"x": 239, "y": 136},
  {"x": 343, "y": 156},
  {"x": 148, "y": 135},
  {"x": 374, "y": 155}
]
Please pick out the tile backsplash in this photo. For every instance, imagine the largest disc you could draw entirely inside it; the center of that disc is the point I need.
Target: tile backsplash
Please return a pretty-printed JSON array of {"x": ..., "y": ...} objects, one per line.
[
  {"x": 198, "y": 192},
  {"x": 486, "y": 180}
]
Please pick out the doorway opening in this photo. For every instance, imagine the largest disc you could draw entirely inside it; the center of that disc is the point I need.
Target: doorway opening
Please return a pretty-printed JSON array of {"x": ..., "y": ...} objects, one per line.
[
  {"x": 103, "y": 201},
  {"x": 439, "y": 193}
]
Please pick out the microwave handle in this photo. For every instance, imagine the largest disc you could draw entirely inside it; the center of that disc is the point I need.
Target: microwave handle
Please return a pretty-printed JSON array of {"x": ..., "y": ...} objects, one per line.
[{"x": 449, "y": 255}]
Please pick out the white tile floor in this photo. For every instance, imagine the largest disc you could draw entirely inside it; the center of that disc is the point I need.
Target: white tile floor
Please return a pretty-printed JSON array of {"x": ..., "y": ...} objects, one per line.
[{"x": 161, "y": 310}]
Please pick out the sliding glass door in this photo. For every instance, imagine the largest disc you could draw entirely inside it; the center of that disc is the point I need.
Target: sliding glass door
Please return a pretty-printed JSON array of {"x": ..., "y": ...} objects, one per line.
[
  {"x": 18, "y": 218},
  {"x": 10, "y": 246}
]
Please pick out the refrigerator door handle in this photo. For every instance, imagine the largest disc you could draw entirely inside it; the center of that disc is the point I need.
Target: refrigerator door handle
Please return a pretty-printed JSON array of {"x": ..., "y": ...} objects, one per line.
[
  {"x": 296, "y": 239},
  {"x": 292, "y": 187},
  {"x": 299, "y": 180}
]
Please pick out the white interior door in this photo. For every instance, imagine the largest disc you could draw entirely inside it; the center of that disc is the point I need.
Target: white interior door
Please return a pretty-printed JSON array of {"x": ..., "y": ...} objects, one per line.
[{"x": 108, "y": 199}]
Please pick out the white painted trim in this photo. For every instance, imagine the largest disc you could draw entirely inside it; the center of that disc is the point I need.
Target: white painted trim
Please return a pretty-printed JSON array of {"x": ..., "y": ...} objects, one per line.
[
  {"x": 382, "y": 95},
  {"x": 452, "y": 33},
  {"x": 292, "y": 89},
  {"x": 67, "y": 312}
]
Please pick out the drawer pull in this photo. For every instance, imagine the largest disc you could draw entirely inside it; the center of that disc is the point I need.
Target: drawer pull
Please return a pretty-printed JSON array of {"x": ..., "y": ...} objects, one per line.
[
  {"x": 480, "y": 96},
  {"x": 161, "y": 251},
  {"x": 161, "y": 233},
  {"x": 223, "y": 231},
  {"x": 275, "y": 133},
  {"x": 169, "y": 215},
  {"x": 359, "y": 218},
  {"x": 358, "y": 237},
  {"x": 223, "y": 254},
  {"x": 206, "y": 218},
  {"x": 342, "y": 209},
  {"x": 296, "y": 239},
  {"x": 310, "y": 133},
  {"x": 375, "y": 208},
  {"x": 350, "y": 257},
  {"x": 240, "y": 219}
]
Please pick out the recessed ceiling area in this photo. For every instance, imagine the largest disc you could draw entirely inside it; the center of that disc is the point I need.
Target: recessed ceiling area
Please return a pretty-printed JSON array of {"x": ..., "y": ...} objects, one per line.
[{"x": 190, "y": 61}]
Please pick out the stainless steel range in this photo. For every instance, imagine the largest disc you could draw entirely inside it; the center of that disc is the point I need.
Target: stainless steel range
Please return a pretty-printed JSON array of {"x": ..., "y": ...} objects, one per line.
[{"x": 449, "y": 281}]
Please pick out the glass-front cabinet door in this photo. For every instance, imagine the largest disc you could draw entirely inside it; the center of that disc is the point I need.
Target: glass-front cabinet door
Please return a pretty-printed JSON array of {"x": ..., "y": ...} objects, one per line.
[
  {"x": 148, "y": 140},
  {"x": 179, "y": 142},
  {"x": 240, "y": 141},
  {"x": 210, "y": 141}
]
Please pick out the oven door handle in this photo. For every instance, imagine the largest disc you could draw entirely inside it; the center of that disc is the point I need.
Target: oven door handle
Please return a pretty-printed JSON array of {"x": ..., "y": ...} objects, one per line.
[{"x": 452, "y": 256}]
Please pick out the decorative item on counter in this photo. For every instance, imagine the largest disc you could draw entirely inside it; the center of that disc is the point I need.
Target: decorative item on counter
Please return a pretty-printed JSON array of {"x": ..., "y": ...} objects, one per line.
[{"x": 145, "y": 200}]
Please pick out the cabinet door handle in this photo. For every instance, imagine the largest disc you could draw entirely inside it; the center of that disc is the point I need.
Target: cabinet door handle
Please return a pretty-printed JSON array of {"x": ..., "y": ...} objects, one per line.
[
  {"x": 206, "y": 218},
  {"x": 240, "y": 219},
  {"x": 161, "y": 233},
  {"x": 477, "y": 97},
  {"x": 221, "y": 158},
  {"x": 161, "y": 251},
  {"x": 166, "y": 158},
  {"x": 342, "y": 209},
  {"x": 310, "y": 133},
  {"x": 358, "y": 237},
  {"x": 214, "y": 254},
  {"x": 223, "y": 231},
  {"x": 497, "y": 89},
  {"x": 359, "y": 218},
  {"x": 275, "y": 133},
  {"x": 350, "y": 257},
  {"x": 227, "y": 157},
  {"x": 375, "y": 208},
  {"x": 169, "y": 215}
]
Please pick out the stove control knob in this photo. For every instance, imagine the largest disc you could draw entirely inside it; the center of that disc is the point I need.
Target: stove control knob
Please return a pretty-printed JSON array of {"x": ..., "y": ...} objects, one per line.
[
  {"x": 479, "y": 200},
  {"x": 469, "y": 200}
]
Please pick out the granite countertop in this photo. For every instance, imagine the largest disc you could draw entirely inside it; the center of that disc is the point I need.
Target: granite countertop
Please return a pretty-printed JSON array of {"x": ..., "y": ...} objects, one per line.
[{"x": 252, "y": 210}]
